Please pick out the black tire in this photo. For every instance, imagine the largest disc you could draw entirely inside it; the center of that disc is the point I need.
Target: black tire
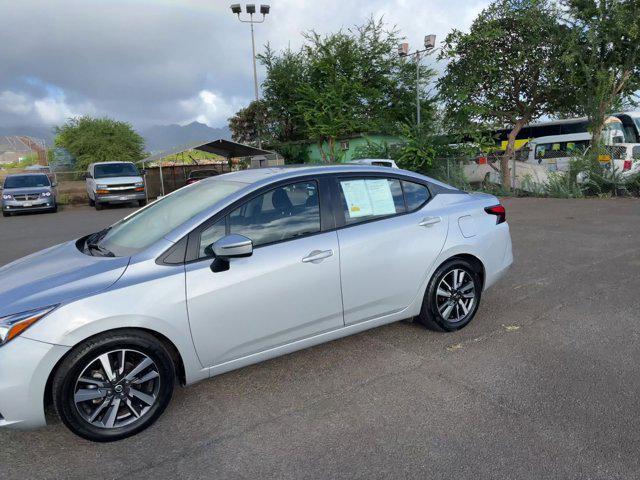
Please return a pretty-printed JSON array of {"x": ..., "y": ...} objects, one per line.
[
  {"x": 431, "y": 317},
  {"x": 92, "y": 203},
  {"x": 6, "y": 214},
  {"x": 82, "y": 357},
  {"x": 98, "y": 205},
  {"x": 142, "y": 203},
  {"x": 54, "y": 209}
]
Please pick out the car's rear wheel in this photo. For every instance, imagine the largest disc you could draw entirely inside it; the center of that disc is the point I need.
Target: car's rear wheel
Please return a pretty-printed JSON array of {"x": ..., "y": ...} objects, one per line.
[
  {"x": 142, "y": 203},
  {"x": 114, "y": 385},
  {"x": 452, "y": 297}
]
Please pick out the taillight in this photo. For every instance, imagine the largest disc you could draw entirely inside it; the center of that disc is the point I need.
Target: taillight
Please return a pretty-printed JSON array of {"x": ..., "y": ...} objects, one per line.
[
  {"x": 498, "y": 211},
  {"x": 482, "y": 161},
  {"x": 626, "y": 165}
]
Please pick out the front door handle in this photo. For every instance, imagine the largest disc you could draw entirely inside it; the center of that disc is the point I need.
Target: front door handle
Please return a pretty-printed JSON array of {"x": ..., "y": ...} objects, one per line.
[
  {"x": 429, "y": 221},
  {"x": 317, "y": 256}
]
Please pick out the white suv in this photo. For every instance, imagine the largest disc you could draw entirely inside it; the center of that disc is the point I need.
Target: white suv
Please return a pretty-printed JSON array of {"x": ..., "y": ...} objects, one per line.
[{"x": 114, "y": 182}]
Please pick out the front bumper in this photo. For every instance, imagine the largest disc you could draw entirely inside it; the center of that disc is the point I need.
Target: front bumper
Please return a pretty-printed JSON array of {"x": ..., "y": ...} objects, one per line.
[
  {"x": 46, "y": 203},
  {"x": 120, "y": 197},
  {"x": 25, "y": 366}
]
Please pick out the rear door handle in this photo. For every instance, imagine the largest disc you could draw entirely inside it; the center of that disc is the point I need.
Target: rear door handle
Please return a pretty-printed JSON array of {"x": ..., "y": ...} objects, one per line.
[
  {"x": 317, "y": 256},
  {"x": 429, "y": 221}
]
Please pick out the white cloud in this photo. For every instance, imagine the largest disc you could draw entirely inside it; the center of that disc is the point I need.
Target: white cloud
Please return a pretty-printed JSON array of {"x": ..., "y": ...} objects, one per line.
[
  {"x": 210, "y": 107},
  {"x": 52, "y": 109},
  {"x": 14, "y": 103}
]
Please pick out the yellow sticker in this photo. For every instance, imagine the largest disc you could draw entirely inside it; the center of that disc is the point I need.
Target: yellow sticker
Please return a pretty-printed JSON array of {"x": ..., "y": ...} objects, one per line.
[{"x": 355, "y": 209}]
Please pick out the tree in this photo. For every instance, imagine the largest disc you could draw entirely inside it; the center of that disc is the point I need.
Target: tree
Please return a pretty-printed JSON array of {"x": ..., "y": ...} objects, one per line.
[
  {"x": 91, "y": 140},
  {"x": 506, "y": 70},
  {"x": 603, "y": 63},
  {"x": 245, "y": 124},
  {"x": 347, "y": 82}
]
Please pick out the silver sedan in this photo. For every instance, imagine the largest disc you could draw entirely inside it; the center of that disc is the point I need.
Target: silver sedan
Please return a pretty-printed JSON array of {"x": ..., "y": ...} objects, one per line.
[{"x": 230, "y": 271}]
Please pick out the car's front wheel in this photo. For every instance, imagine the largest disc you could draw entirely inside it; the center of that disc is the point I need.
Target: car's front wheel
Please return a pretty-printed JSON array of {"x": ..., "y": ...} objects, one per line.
[
  {"x": 114, "y": 385},
  {"x": 452, "y": 297}
]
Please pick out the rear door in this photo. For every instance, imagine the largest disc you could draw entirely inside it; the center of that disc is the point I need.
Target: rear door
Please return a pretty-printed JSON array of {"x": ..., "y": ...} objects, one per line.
[{"x": 390, "y": 234}]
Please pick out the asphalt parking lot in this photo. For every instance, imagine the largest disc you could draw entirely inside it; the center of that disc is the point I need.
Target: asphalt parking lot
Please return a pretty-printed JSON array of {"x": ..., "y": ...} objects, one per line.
[{"x": 542, "y": 384}]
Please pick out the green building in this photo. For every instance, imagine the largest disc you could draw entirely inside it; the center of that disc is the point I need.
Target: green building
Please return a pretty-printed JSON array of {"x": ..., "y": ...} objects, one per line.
[{"x": 346, "y": 146}]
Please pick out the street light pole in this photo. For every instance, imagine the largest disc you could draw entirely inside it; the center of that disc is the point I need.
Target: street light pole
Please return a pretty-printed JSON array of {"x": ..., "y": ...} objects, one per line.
[
  {"x": 251, "y": 9},
  {"x": 403, "y": 51}
]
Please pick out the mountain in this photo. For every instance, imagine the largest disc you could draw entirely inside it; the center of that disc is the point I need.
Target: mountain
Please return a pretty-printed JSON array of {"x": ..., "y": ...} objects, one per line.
[
  {"x": 157, "y": 138},
  {"x": 164, "y": 137},
  {"x": 44, "y": 133}
]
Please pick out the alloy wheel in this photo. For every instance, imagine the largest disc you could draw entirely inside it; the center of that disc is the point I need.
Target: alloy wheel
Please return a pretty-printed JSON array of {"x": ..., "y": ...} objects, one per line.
[
  {"x": 456, "y": 295},
  {"x": 117, "y": 388}
]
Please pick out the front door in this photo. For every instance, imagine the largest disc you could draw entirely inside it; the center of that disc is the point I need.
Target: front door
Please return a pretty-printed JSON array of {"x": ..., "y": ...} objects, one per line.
[{"x": 289, "y": 289}]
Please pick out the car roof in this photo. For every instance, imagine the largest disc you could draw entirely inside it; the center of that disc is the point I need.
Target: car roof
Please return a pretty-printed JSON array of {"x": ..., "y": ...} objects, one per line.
[{"x": 269, "y": 174}]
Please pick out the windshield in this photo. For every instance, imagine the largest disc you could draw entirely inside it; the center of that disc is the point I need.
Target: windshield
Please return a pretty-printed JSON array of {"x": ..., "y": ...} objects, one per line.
[
  {"x": 142, "y": 229},
  {"x": 108, "y": 170},
  {"x": 27, "y": 181}
]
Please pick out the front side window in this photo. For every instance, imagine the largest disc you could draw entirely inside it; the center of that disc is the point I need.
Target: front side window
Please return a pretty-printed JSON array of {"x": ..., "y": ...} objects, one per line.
[
  {"x": 150, "y": 224},
  {"x": 281, "y": 214},
  {"x": 111, "y": 170},
  {"x": 27, "y": 181},
  {"x": 365, "y": 199},
  {"x": 635, "y": 154},
  {"x": 284, "y": 213}
]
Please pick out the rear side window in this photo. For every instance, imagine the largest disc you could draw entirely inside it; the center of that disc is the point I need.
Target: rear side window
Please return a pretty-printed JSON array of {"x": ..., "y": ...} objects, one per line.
[
  {"x": 365, "y": 199},
  {"x": 415, "y": 194}
]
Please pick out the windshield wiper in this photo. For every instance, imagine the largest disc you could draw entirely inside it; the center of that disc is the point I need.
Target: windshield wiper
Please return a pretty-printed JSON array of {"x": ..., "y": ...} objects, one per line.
[
  {"x": 92, "y": 243},
  {"x": 94, "y": 247}
]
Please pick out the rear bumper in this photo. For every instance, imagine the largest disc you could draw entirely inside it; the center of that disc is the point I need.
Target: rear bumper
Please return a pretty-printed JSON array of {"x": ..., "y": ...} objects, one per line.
[
  {"x": 25, "y": 366},
  {"x": 502, "y": 259},
  {"x": 120, "y": 197}
]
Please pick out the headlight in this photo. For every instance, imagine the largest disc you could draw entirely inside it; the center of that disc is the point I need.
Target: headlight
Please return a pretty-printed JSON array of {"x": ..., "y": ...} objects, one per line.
[
  {"x": 101, "y": 187},
  {"x": 13, "y": 325},
  {"x": 6, "y": 196},
  {"x": 46, "y": 194}
]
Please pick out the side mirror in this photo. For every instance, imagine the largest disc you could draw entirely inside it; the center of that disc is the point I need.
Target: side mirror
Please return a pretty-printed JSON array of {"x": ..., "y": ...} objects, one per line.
[
  {"x": 230, "y": 246},
  {"x": 54, "y": 184},
  {"x": 88, "y": 175},
  {"x": 233, "y": 246}
]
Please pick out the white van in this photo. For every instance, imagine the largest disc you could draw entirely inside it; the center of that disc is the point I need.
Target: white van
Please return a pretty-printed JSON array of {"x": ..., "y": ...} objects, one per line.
[{"x": 114, "y": 182}]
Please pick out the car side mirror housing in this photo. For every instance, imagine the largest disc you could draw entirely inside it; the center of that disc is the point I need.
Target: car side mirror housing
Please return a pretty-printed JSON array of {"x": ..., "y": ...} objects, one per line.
[
  {"x": 229, "y": 246},
  {"x": 88, "y": 175}
]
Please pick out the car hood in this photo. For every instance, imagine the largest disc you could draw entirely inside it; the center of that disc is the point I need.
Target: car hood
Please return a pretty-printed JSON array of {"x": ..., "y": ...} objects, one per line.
[
  {"x": 55, "y": 275},
  {"x": 113, "y": 181},
  {"x": 23, "y": 191}
]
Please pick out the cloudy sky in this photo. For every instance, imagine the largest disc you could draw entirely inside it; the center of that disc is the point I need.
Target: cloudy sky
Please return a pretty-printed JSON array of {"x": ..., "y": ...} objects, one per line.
[{"x": 167, "y": 61}]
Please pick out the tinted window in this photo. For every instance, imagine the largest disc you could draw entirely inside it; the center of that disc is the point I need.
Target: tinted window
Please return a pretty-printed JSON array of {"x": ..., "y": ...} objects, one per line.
[
  {"x": 635, "y": 154},
  {"x": 415, "y": 194},
  {"x": 27, "y": 181},
  {"x": 109, "y": 170},
  {"x": 369, "y": 198},
  {"x": 280, "y": 214}
]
